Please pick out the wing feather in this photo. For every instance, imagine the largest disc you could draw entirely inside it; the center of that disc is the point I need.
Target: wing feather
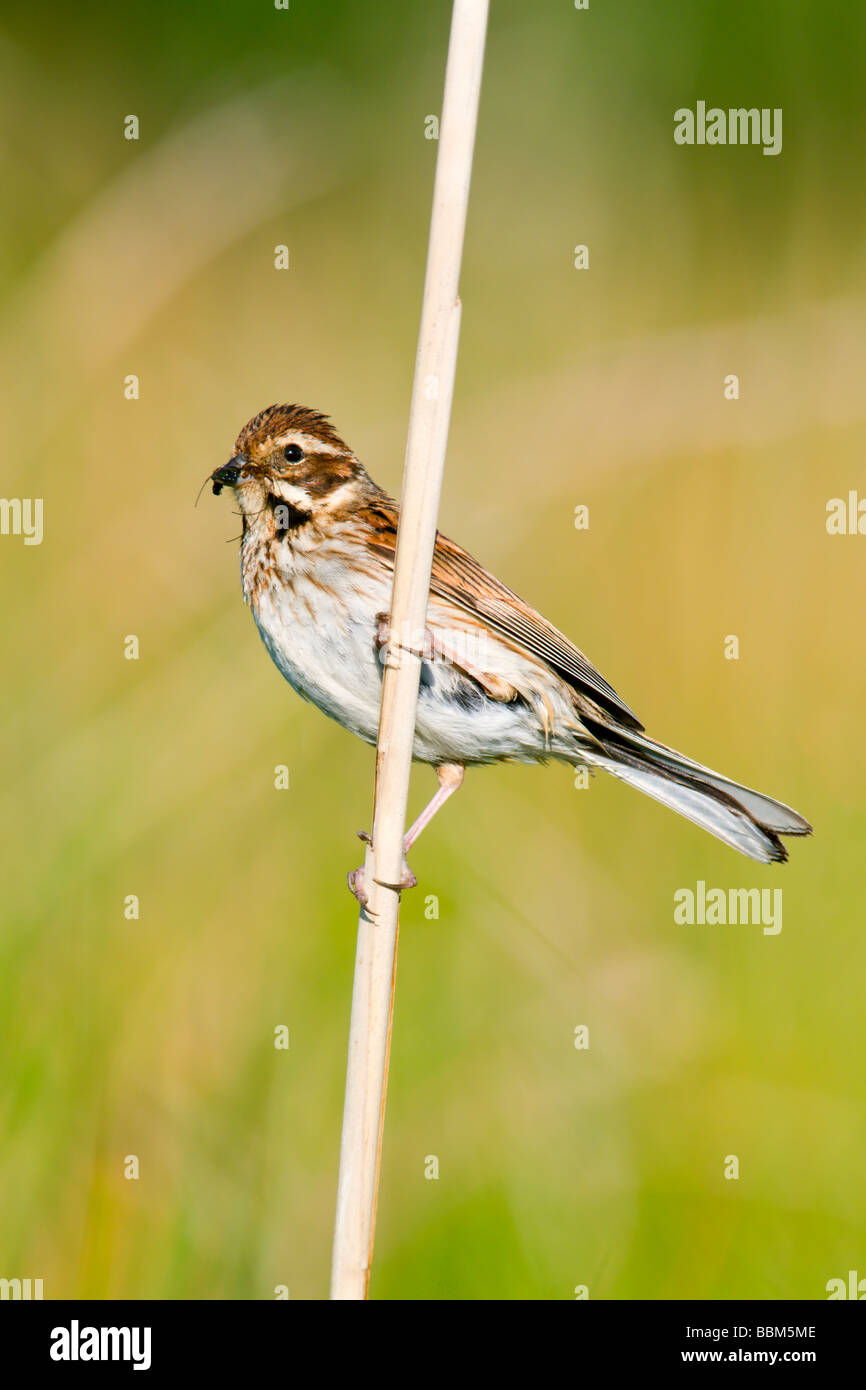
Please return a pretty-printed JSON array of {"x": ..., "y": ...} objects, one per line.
[{"x": 461, "y": 580}]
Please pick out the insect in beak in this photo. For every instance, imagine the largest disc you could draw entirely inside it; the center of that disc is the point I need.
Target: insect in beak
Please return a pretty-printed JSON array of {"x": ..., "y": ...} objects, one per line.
[{"x": 226, "y": 476}]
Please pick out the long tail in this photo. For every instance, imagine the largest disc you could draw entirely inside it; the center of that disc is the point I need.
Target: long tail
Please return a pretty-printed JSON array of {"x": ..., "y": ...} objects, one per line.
[{"x": 744, "y": 819}]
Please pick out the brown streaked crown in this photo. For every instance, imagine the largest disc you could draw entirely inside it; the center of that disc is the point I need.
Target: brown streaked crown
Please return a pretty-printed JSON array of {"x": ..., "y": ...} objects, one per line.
[{"x": 257, "y": 434}]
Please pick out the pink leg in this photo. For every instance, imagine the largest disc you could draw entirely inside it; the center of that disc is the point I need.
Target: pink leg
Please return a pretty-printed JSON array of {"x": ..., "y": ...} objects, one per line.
[{"x": 450, "y": 779}]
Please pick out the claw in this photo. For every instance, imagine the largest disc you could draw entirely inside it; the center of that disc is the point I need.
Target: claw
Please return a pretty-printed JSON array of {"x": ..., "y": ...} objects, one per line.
[
  {"x": 365, "y": 836},
  {"x": 383, "y": 628},
  {"x": 407, "y": 881},
  {"x": 358, "y": 887}
]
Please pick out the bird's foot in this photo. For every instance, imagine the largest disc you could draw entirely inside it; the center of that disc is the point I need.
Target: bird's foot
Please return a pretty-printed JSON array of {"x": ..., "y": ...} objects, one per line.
[
  {"x": 384, "y": 644},
  {"x": 407, "y": 880},
  {"x": 355, "y": 877},
  {"x": 358, "y": 886}
]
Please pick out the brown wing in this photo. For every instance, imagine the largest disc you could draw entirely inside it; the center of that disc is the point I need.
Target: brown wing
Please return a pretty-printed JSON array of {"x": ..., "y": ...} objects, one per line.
[{"x": 459, "y": 578}]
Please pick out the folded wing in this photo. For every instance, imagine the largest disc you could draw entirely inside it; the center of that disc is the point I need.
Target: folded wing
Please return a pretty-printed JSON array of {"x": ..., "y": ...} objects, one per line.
[{"x": 459, "y": 579}]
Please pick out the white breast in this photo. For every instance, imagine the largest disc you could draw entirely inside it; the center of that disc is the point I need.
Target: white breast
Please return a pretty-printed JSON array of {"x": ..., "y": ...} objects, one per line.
[
  {"x": 321, "y": 631},
  {"x": 318, "y": 619}
]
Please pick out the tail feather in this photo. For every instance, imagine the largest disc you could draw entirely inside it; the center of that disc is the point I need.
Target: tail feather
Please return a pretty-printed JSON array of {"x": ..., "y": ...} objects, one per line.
[{"x": 746, "y": 820}]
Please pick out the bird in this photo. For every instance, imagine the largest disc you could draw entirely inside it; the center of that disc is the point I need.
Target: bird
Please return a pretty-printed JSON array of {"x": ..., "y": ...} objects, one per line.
[{"x": 498, "y": 682}]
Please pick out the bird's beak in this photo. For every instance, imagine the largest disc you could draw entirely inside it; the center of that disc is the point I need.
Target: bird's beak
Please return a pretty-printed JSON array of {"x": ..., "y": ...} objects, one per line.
[{"x": 226, "y": 476}]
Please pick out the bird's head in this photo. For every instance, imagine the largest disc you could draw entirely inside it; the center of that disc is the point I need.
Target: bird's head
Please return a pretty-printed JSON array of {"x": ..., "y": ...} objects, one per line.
[{"x": 289, "y": 457}]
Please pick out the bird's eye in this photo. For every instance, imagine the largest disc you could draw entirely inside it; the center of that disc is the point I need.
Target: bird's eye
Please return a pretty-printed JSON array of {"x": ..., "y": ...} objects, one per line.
[{"x": 293, "y": 453}]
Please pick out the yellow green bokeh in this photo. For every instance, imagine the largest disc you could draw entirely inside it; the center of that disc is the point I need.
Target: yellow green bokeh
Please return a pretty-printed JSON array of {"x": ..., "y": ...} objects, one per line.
[{"x": 155, "y": 777}]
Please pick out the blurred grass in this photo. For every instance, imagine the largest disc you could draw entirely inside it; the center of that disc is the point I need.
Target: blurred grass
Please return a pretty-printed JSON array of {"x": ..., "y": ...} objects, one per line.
[{"x": 155, "y": 777}]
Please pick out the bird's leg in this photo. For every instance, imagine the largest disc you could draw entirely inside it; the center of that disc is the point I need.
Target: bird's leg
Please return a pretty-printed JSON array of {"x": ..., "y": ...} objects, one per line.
[{"x": 450, "y": 777}]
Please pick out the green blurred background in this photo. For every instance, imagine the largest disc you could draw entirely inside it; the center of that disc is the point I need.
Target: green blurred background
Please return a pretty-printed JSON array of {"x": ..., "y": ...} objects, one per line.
[{"x": 155, "y": 777}]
